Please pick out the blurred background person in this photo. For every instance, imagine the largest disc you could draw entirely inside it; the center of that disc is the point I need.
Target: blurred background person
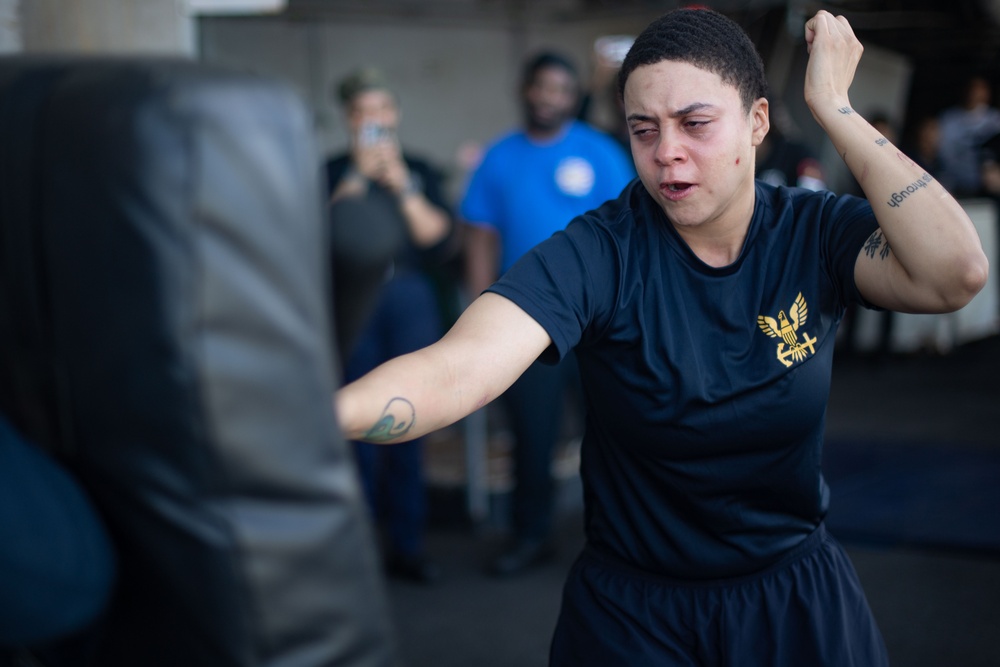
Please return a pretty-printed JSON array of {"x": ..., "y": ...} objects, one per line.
[
  {"x": 989, "y": 171},
  {"x": 401, "y": 195},
  {"x": 990, "y": 166},
  {"x": 924, "y": 144},
  {"x": 532, "y": 181},
  {"x": 964, "y": 128}
]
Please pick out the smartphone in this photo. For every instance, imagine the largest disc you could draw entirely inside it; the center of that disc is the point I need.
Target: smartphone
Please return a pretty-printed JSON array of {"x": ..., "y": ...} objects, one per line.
[{"x": 373, "y": 133}]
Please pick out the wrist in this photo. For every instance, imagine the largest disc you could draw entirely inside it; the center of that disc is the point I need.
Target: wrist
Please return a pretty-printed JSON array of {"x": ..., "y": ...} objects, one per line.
[
  {"x": 350, "y": 185},
  {"x": 411, "y": 187},
  {"x": 831, "y": 108},
  {"x": 355, "y": 177}
]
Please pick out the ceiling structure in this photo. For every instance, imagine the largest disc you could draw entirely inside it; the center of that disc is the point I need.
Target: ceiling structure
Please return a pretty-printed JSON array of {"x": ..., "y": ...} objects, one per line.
[
  {"x": 961, "y": 32},
  {"x": 945, "y": 42}
]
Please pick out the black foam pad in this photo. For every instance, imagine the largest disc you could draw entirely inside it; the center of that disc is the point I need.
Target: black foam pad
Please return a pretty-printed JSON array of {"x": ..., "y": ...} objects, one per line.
[{"x": 165, "y": 332}]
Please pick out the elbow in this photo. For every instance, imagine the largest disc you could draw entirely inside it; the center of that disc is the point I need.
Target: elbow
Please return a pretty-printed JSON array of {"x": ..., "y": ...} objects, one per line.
[
  {"x": 431, "y": 237},
  {"x": 969, "y": 279}
]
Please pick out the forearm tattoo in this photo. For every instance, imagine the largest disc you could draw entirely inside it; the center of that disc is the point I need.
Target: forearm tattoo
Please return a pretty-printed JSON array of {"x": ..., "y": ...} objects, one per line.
[
  {"x": 396, "y": 421},
  {"x": 898, "y": 198},
  {"x": 847, "y": 111},
  {"x": 881, "y": 141},
  {"x": 877, "y": 245}
]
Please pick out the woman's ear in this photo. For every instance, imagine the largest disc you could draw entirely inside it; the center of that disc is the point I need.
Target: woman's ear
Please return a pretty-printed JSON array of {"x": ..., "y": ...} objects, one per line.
[{"x": 760, "y": 120}]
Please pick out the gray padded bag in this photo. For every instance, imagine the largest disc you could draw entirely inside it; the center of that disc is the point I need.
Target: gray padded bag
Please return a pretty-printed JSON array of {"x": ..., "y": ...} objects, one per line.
[{"x": 165, "y": 333}]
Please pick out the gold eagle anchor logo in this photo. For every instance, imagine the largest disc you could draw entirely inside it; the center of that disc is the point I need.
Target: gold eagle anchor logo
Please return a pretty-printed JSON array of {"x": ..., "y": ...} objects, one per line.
[{"x": 786, "y": 328}]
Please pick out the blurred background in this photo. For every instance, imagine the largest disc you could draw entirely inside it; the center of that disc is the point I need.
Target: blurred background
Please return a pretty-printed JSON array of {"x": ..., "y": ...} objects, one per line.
[
  {"x": 455, "y": 63},
  {"x": 922, "y": 527}
]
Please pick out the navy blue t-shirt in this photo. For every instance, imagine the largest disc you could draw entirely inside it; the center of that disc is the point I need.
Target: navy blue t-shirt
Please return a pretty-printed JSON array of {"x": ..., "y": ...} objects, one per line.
[{"x": 706, "y": 388}]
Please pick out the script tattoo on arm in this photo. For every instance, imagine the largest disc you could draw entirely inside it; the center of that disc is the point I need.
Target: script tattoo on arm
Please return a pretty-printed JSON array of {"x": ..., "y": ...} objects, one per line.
[
  {"x": 881, "y": 141},
  {"x": 877, "y": 245},
  {"x": 847, "y": 111},
  {"x": 916, "y": 186},
  {"x": 396, "y": 421}
]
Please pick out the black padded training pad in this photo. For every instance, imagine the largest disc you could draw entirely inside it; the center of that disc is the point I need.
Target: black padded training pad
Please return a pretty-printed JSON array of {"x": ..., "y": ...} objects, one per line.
[{"x": 164, "y": 330}]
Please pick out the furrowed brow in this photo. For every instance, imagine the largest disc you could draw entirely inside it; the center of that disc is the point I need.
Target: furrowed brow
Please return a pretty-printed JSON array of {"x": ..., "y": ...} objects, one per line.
[
  {"x": 639, "y": 118},
  {"x": 692, "y": 108},
  {"x": 679, "y": 113}
]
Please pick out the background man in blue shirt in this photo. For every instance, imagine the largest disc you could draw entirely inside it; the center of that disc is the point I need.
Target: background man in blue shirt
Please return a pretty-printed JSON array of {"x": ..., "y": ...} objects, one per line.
[{"x": 531, "y": 182}]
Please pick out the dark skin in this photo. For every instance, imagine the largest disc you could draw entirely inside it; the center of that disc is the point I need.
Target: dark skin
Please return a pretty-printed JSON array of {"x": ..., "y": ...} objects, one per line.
[{"x": 550, "y": 101}]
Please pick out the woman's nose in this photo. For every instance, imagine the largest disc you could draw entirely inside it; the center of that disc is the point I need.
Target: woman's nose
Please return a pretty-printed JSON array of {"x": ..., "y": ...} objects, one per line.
[{"x": 669, "y": 148}]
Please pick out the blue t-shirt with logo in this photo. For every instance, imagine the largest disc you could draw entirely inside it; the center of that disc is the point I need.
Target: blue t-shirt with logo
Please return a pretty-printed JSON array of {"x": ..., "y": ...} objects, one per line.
[
  {"x": 528, "y": 190},
  {"x": 706, "y": 388}
]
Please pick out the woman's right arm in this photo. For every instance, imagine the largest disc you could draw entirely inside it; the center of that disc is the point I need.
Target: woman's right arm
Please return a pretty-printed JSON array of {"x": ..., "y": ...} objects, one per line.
[{"x": 490, "y": 345}]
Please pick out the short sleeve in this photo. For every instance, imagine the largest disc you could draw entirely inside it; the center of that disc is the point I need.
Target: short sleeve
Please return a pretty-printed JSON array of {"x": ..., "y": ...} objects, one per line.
[
  {"x": 568, "y": 283},
  {"x": 848, "y": 223}
]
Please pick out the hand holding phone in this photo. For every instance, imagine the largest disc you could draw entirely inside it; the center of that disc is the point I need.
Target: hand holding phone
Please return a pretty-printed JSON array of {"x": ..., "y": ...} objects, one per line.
[
  {"x": 378, "y": 157},
  {"x": 373, "y": 133}
]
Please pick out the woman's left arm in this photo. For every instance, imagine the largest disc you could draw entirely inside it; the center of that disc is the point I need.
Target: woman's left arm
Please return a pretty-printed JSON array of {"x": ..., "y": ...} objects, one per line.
[{"x": 926, "y": 256}]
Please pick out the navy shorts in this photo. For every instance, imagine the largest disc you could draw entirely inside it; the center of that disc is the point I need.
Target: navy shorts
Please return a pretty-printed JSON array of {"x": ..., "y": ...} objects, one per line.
[{"x": 806, "y": 610}]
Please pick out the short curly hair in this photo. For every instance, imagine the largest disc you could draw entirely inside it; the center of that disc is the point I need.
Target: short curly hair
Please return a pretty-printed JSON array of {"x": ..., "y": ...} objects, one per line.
[
  {"x": 706, "y": 39},
  {"x": 544, "y": 60}
]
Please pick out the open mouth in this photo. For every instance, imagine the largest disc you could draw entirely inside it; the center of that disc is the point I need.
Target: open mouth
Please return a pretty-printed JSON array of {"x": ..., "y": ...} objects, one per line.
[{"x": 676, "y": 190}]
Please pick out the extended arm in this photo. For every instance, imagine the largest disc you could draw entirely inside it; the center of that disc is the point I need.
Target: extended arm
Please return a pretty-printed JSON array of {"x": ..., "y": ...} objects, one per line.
[
  {"x": 926, "y": 256},
  {"x": 492, "y": 343}
]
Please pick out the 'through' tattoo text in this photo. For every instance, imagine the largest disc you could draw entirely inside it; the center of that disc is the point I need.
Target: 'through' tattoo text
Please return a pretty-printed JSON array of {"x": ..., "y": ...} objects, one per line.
[{"x": 898, "y": 198}]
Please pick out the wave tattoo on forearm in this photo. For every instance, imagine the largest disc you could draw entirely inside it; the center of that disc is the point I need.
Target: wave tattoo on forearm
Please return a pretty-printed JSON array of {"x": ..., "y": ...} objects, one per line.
[{"x": 396, "y": 421}]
